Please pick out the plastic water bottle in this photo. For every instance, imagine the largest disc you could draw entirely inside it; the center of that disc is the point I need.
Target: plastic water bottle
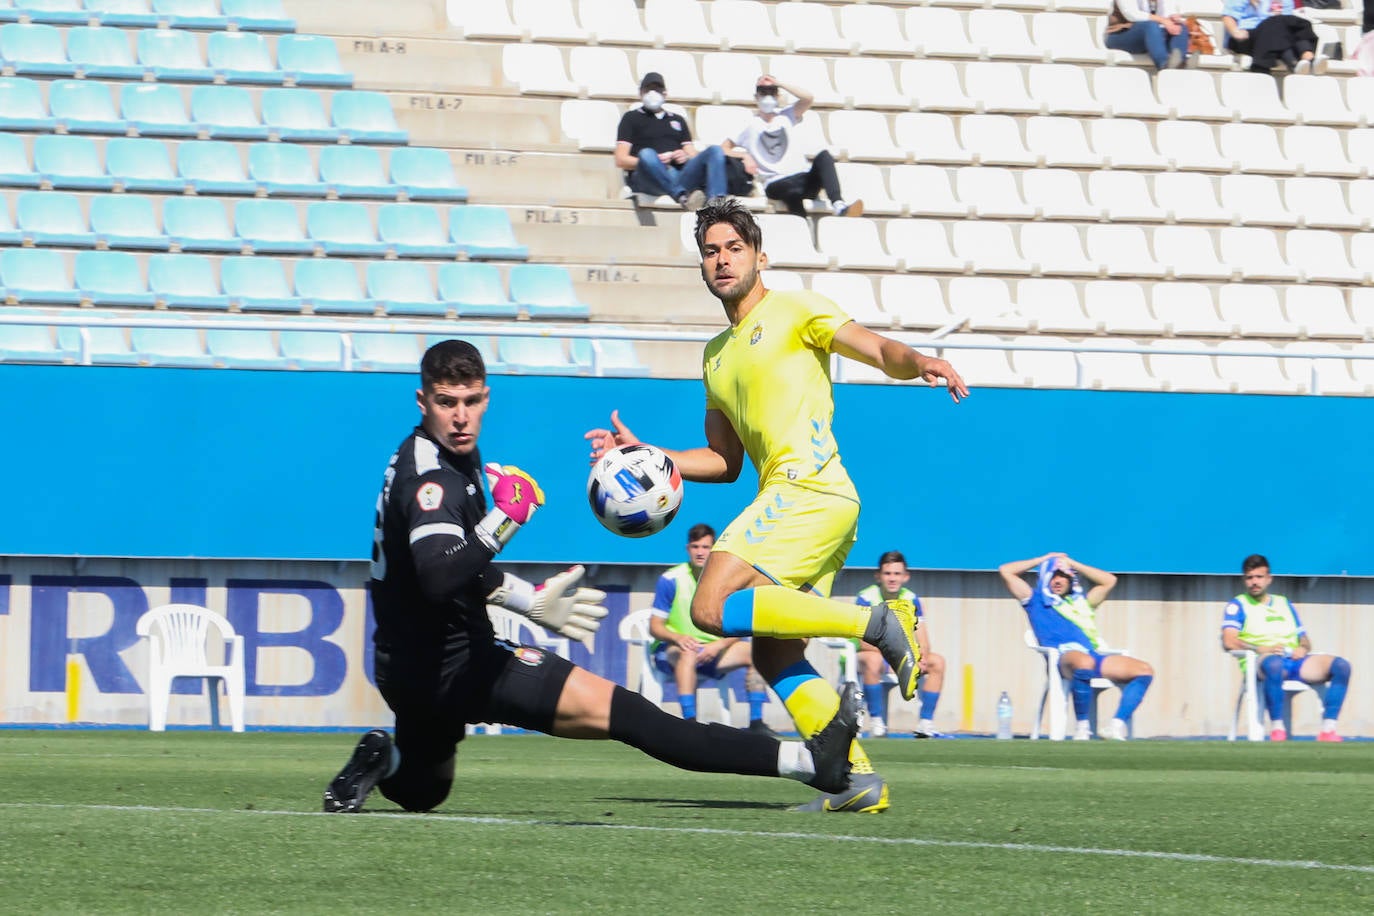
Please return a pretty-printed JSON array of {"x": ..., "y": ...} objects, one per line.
[{"x": 1004, "y": 717}]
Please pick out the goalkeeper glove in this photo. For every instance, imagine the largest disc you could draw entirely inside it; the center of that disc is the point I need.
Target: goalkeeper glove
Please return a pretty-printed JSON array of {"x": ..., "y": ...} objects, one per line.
[
  {"x": 516, "y": 496},
  {"x": 559, "y": 604}
]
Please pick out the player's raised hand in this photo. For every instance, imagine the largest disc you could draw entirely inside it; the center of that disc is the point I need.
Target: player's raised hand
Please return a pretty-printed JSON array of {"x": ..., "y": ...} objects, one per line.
[
  {"x": 941, "y": 369},
  {"x": 562, "y": 605},
  {"x": 603, "y": 440}
]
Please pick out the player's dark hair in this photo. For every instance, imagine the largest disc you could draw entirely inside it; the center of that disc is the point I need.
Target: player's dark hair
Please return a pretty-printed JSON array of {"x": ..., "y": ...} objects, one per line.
[
  {"x": 452, "y": 361},
  {"x": 892, "y": 556},
  {"x": 728, "y": 210},
  {"x": 700, "y": 530},
  {"x": 1254, "y": 561}
]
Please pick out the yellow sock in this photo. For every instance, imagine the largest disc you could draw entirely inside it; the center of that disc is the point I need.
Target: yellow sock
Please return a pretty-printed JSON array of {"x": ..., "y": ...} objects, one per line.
[
  {"x": 788, "y": 614},
  {"x": 812, "y": 705}
]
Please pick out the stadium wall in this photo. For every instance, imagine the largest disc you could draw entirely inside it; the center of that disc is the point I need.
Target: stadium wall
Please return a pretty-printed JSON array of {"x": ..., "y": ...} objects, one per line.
[{"x": 307, "y": 625}]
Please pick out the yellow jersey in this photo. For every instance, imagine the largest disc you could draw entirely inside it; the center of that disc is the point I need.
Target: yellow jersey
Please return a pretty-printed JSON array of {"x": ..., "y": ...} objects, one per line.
[{"x": 770, "y": 376}]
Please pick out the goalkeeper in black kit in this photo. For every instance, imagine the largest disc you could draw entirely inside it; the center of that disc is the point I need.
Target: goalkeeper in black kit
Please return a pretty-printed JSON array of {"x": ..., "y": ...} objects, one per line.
[{"x": 439, "y": 665}]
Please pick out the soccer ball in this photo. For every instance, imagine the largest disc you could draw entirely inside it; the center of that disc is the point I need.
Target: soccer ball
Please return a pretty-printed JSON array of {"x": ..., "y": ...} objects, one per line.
[{"x": 635, "y": 490}]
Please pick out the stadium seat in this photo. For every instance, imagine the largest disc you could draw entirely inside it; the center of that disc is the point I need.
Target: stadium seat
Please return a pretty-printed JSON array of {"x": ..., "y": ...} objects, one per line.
[
  {"x": 546, "y": 291},
  {"x": 1116, "y": 372},
  {"x": 1255, "y": 148},
  {"x": 537, "y": 69},
  {"x": 484, "y": 20},
  {"x": 1361, "y": 144},
  {"x": 1322, "y": 205},
  {"x": 242, "y": 57},
  {"x": 366, "y": 117},
  {"x": 934, "y": 85},
  {"x": 426, "y": 174},
  {"x": 70, "y": 162},
  {"x": 135, "y": 14},
  {"x": 592, "y": 123},
  {"x": 414, "y": 231},
  {"x": 312, "y": 60},
  {"x": 198, "y": 224},
  {"x": 47, "y": 218},
  {"x": 683, "y": 24},
  {"x": 386, "y": 353},
  {"x": 84, "y": 107},
  {"x": 914, "y": 301},
  {"x": 1330, "y": 374},
  {"x": 1189, "y": 197},
  {"x": 178, "y": 347},
  {"x": 1120, "y": 307},
  {"x": 985, "y": 303},
  {"x": 603, "y": 73},
  {"x": 15, "y": 170},
  {"x": 1001, "y": 88},
  {"x": 1320, "y": 255},
  {"x": 185, "y": 281},
  {"x": 1056, "y": 249},
  {"x": 1190, "y": 145},
  {"x": 1256, "y": 374},
  {"x": 1192, "y": 94},
  {"x": 613, "y": 22},
  {"x": 126, "y": 221},
  {"x": 853, "y": 293},
  {"x": 1255, "y": 310},
  {"x": 1002, "y": 34},
  {"x": 141, "y": 165},
  {"x": 1124, "y": 250},
  {"x": 989, "y": 247},
  {"x": 1063, "y": 89},
  {"x": 1058, "y": 194},
  {"x": 1125, "y": 143},
  {"x": 679, "y": 70},
  {"x": 931, "y": 138},
  {"x": 869, "y": 83},
  {"x": 1320, "y": 311},
  {"x": 1362, "y": 254},
  {"x": 228, "y": 112},
  {"x": 991, "y": 192},
  {"x": 1189, "y": 253},
  {"x": 190, "y": 14},
  {"x": 1361, "y": 196},
  {"x": 863, "y": 181},
  {"x": 111, "y": 278},
  {"x": 332, "y": 286},
  {"x": 995, "y": 140},
  {"x": 31, "y": 343},
  {"x": 355, "y": 171},
  {"x": 1317, "y": 100},
  {"x": 285, "y": 168},
  {"x": 876, "y": 29},
  {"x": 257, "y": 285},
  {"x": 484, "y": 232},
  {"x": 1043, "y": 368},
  {"x": 925, "y": 190},
  {"x": 104, "y": 346},
  {"x": 271, "y": 226},
  {"x": 745, "y": 24},
  {"x": 789, "y": 241},
  {"x": 297, "y": 115},
  {"x": 1059, "y": 141},
  {"x": 344, "y": 229},
  {"x": 156, "y": 109},
  {"x": 985, "y": 366},
  {"x": 1255, "y": 97},
  {"x": 853, "y": 243},
  {"x": 37, "y": 275},
  {"x": 607, "y": 356},
  {"x": 258, "y": 15},
  {"x": 484, "y": 348},
  {"x": 22, "y": 106},
  {"x": 796, "y": 70},
  {"x": 30, "y": 48},
  {"x": 476, "y": 290},
  {"x": 246, "y": 349},
  {"x": 535, "y": 356},
  {"x": 923, "y": 245},
  {"x": 1124, "y": 196},
  {"x": 103, "y": 53},
  {"x": 1066, "y": 37},
  {"x": 1127, "y": 93},
  {"x": 214, "y": 167},
  {"x": 1320, "y": 151},
  {"x": 864, "y": 135},
  {"x": 1188, "y": 371},
  {"x": 1253, "y": 200},
  {"x": 404, "y": 288},
  {"x": 1188, "y": 309},
  {"x": 63, "y": 12},
  {"x": 730, "y": 73},
  {"x": 810, "y": 27},
  {"x": 173, "y": 54},
  {"x": 9, "y": 235},
  {"x": 311, "y": 349},
  {"x": 548, "y": 20}
]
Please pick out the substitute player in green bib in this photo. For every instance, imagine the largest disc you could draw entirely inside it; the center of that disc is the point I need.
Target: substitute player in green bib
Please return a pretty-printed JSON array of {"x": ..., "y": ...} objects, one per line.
[{"x": 890, "y": 585}]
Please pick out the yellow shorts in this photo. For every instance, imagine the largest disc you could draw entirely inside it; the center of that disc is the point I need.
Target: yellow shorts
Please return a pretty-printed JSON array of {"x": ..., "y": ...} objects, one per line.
[{"x": 797, "y": 537}]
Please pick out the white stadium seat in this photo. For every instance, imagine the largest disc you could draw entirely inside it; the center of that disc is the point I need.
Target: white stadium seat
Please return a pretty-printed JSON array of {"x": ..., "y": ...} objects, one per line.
[
  {"x": 939, "y": 33},
  {"x": 986, "y": 303},
  {"x": 1360, "y": 195},
  {"x": 1325, "y": 375},
  {"x": 1061, "y": 142},
  {"x": 1255, "y": 309},
  {"x": 853, "y": 243},
  {"x": 536, "y": 70},
  {"x": 1320, "y": 255},
  {"x": 1056, "y": 249},
  {"x": 1124, "y": 250},
  {"x": 1053, "y": 306},
  {"x": 1190, "y": 145},
  {"x": 1363, "y": 369},
  {"x": 1188, "y": 309},
  {"x": 1120, "y": 307},
  {"x": 732, "y": 75},
  {"x": 811, "y": 27},
  {"x": 1253, "y": 200},
  {"x": 983, "y": 367},
  {"x": 1255, "y": 374},
  {"x": 1000, "y": 87},
  {"x": 1189, "y": 253},
  {"x": 930, "y": 137},
  {"x": 680, "y": 23},
  {"x": 862, "y": 181},
  {"x": 1044, "y": 368},
  {"x": 1191, "y": 94},
  {"x": 871, "y": 82},
  {"x": 679, "y": 72},
  {"x": 1255, "y": 147},
  {"x": 915, "y": 301},
  {"x": 1359, "y": 96},
  {"x": 1127, "y": 92},
  {"x": 1317, "y": 100},
  {"x": 995, "y": 140},
  {"x": 1360, "y": 143},
  {"x": 484, "y": 20},
  {"x": 1116, "y": 372},
  {"x": 1063, "y": 89},
  {"x": 744, "y": 24},
  {"x": 802, "y": 70},
  {"x": 923, "y": 245},
  {"x": 864, "y": 135},
  {"x": 1319, "y": 151},
  {"x": 1125, "y": 197},
  {"x": 1067, "y": 38},
  {"x": 991, "y": 192},
  {"x": 934, "y": 85},
  {"x": 548, "y": 20},
  {"x": 1321, "y": 204},
  {"x": 925, "y": 190},
  {"x": 603, "y": 72},
  {"x": 1255, "y": 96},
  {"x": 715, "y": 123},
  {"x": 1362, "y": 310},
  {"x": 1321, "y": 312},
  {"x": 591, "y": 124},
  {"x": 990, "y": 247},
  {"x": 1058, "y": 194},
  {"x": 1362, "y": 254},
  {"x": 1125, "y": 143},
  {"x": 1003, "y": 33},
  {"x": 854, "y": 294},
  {"x": 876, "y": 29},
  {"x": 1189, "y": 197},
  {"x": 1186, "y": 372},
  {"x": 789, "y": 241},
  {"x": 612, "y": 21},
  {"x": 782, "y": 280}
]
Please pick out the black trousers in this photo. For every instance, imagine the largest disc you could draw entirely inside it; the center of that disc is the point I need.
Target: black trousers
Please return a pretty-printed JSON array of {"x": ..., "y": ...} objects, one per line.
[
  {"x": 1275, "y": 37},
  {"x": 795, "y": 190},
  {"x": 1368, "y": 16}
]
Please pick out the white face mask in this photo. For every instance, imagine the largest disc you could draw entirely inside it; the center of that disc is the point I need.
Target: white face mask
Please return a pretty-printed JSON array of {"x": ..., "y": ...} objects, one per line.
[
  {"x": 768, "y": 103},
  {"x": 653, "y": 100}
]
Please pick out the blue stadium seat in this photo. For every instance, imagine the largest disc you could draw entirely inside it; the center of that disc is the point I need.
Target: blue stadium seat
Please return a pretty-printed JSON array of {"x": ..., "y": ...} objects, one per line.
[
  {"x": 257, "y": 285},
  {"x": 182, "y": 281},
  {"x": 343, "y": 228},
  {"x": 414, "y": 231},
  {"x": 15, "y": 171},
  {"x": 173, "y": 55},
  {"x": 112, "y": 278},
  {"x": 22, "y": 106},
  {"x": 475, "y": 291},
  {"x": 199, "y": 224},
  {"x": 312, "y": 60},
  {"x": 227, "y": 111},
  {"x": 617, "y": 357},
  {"x": 33, "y": 48},
  {"x": 355, "y": 171},
  {"x": 30, "y": 343},
  {"x": 535, "y": 356},
  {"x": 243, "y": 349},
  {"x": 63, "y": 12},
  {"x": 83, "y": 106},
  {"x": 70, "y": 162},
  {"x": 105, "y": 346},
  {"x": 37, "y": 275},
  {"x": 366, "y": 117},
  {"x": 242, "y": 57},
  {"x": 259, "y": 15},
  {"x": 156, "y": 109},
  {"x": 484, "y": 232},
  {"x": 123, "y": 13},
  {"x": 386, "y": 353},
  {"x": 191, "y": 14},
  {"x": 297, "y": 114},
  {"x": 482, "y": 343},
  {"x": 403, "y": 289},
  {"x": 285, "y": 168},
  {"x": 49, "y": 218},
  {"x": 126, "y": 221},
  {"x": 9, "y": 235},
  {"x": 312, "y": 349},
  {"x": 332, "y": 286},
  {"x": 141, "y": 164},
  {"x": 170, "y": 347},
  {"x": 214, "y": 167},
  {"x": 546, "y": 291},
  {"x": 7, "y": 11},
  {"x": 426, "y": 174},
  {"x": 102, "y": 52},
  {"x": 271, "y": 226}
]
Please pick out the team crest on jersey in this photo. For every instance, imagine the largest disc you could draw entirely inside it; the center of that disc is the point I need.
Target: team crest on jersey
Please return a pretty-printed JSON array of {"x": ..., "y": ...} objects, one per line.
[
  {"x": 756, "y": 334},
  {"x": 675, "y": 124},
  {"x": 430, "y": 497},
  {"x": 527, "y": 656}
]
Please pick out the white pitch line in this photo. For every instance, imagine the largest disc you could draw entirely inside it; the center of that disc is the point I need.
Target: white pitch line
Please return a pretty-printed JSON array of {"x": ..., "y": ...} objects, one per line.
[{"x": 1202, "y": 858}]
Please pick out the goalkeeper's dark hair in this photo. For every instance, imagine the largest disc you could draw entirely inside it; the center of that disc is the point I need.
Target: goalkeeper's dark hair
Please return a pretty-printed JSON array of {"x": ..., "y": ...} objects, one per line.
[
  {"x": 450, "y": 362},
  {"x": 892, "y": 556},
  {"x": 1254, "y": 561},
  {"x": 728, "y": 210},
  {"x": 700, "y": 530}
]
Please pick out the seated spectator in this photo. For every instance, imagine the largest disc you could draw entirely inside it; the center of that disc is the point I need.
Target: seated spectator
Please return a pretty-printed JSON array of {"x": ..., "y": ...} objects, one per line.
[
  {"x": 1268, "y": 625},
  {"x": 1152, "y": 27},
  {"x": 770, "y": 151},
  {"x": 1064, "y": 616},
  {"x": 1268, "y": 31},
  {"x": 688, "y": 653},
  {"x": 890, "y": 585},
  {"x": 654, "y": 147}
]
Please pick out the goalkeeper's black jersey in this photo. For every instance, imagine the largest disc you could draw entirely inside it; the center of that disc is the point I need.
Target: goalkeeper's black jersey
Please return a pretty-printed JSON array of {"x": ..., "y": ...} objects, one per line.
[{"x": 430, "y": 574}]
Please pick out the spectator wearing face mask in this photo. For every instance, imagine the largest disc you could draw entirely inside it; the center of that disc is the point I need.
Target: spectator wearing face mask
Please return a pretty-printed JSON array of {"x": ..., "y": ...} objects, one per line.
[
  {"x": 654, "y": 147},
  {"x": 770, "y": 150}
]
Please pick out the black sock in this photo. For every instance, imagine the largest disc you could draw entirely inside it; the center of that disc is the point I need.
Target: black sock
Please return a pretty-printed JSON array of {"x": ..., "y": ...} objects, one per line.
[{"x": 689, "y": 745}]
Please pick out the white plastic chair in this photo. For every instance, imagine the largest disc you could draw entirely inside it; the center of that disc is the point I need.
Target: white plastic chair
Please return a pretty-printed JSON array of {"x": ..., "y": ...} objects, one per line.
[
  {"x": 1256, "y": 374},
  {"x": 1189, "y": 253},
  {"x": 548, "y": 20},
  {"x": 853, "y": 243},
  {"x": 1056, "y": 249},
  {"x": 1188, "y": 309},
  {"x": 1126, "y": 92},
  {"x": 1058, "y": 194},
  {"x": 1125, "y": 197},
  {"x": 923, "y": 245},
  {"x": 1064, "y": 89},
  {"x": 992, "y": 192},
  {"x": 917, "y": 302},
  {"x": 934, "y": 85},
  {"x": 1187, "y": 371},
  {"x": 1321, "y": 255},
  {"x": 931, "y": 138},
  {"x": 925, "y": 190},
  {"x": 1255, "y": 309},
  {"x": 681, "y": 23},
  {"x": 1255, "y": 96},
  {"x": 1317, "y": 100},
  {"x": 1124, "y": 250},
  {"x": 614, "y": 21},
  {"x": 939, "y": 33},
  {"x": 1003, "y": 33},
  {"x": 1067, "y": 38},
  {"x": 745, "y": 24},
  {"x": 177, "y": 635},
  {"x": 1249, "y": 696},
  {"x": 995, "y": 140},
  {"x": 853, "y": 293},
  {"x": 811, "y": 27},
  {"x": 634, "y": 632},
  {"x": 1253, "y": 254},
  {"x": 1121, "y": 308},
  {"x": 1253, "y": 200},
  {"x": 537, "y": 70},
  {"x": 869, "y": 83},
  {"x": 1116, "y": 372},
  {"x": 876, "y": 29},
  {"x": 1255, "y": 148},
  {"x": 1192, "y": 94},
  {"x": 1190, "y": 145},
  {"x": 1001, "y": 87},
  {"x": 1189, "y": 198},
  {"x": 864, "y": 135},
  {"x": 1322, "y": 204},
  {"x": 592, "y": 123},
  {"x": 990, "y": 247},
  {"x": 1320, "y": 151},
  {"x": 987, "y": 305},
  {"x": 1055, "y": 694},
  {"x": 1125, "y": 143},
  {"x": 1059, "y": 141},
  {"x": 603, "y": 72},
  {"x": 1053, "y": 305},
  {"x": 1321, "y": 312},
  {"x": 1044, "y": 368},
  {"x": 1326, "y": 374}
]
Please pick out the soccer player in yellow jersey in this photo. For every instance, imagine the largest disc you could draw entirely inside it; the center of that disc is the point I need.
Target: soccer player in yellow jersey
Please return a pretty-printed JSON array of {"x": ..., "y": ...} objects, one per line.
[{"x": 768, "y": 395}]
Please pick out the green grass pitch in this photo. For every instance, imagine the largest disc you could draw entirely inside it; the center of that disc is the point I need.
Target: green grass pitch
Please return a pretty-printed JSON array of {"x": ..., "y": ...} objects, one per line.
[{"x": 193, "y": 822}]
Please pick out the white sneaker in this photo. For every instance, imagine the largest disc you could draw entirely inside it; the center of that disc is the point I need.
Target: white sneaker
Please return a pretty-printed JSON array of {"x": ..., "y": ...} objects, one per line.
[
  {"x": 1118, "y": 731},
  {"x": 1083, "y": 732},
  {"x": 877, "y": 727}
]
